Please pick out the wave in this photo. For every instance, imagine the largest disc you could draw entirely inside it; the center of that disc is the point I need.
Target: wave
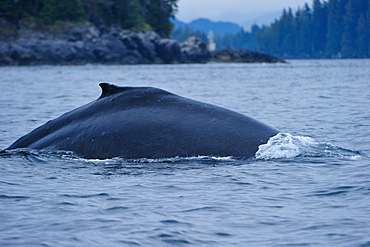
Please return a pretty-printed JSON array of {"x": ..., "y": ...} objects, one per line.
[
  {"x": 173, "y": 160},
  {"x": 281, "y": 146},
  {"x": 285, "y": 145},
  {"x": 41, "y": 155}
]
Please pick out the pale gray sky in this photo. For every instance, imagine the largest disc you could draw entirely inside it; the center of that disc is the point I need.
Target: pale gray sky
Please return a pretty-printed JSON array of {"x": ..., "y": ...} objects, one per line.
[{"x": 238, "y": 11}]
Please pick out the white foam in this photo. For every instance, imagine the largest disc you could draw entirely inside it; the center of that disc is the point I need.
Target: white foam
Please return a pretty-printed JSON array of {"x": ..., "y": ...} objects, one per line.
[
  {"x": 285, "y": 145},
  {"x": 160, "y": 160},
  {"x": 176, "y": 159}
]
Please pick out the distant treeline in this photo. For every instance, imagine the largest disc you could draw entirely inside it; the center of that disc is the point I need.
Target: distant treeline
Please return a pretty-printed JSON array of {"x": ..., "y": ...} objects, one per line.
[
  {"x": 334, "y": 28},
  {"x": 127, "y": 14},
  {"x": 327, "y": 29}
]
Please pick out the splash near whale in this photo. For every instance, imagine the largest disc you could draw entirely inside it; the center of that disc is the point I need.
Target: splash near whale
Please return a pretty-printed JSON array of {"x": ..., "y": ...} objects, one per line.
[{"x": 147, "y": 122}]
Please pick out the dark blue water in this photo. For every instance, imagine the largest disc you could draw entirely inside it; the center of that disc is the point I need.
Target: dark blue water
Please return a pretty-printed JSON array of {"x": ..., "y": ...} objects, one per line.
[{"x": 309, "y": 186}]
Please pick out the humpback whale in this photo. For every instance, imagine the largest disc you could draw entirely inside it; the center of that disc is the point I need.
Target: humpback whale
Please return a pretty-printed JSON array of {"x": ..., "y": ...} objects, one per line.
[{"x": 147, "y": 122}]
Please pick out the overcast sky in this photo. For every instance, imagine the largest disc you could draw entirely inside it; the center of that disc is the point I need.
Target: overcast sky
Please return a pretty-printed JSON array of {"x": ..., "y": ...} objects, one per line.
[{"x": 238, "y": 11}]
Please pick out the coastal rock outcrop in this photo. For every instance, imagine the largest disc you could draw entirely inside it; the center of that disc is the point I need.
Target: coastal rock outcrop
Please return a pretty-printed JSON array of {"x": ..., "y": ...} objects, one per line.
[
  {"x": 84, "y": 43},
  {"x": 195, "y": 50},
  {"x": 232, "y": 55}
]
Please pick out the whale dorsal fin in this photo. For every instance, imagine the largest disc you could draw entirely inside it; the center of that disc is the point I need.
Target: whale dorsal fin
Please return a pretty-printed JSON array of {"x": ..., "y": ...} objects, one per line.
[{"x": 109, "y": 89}]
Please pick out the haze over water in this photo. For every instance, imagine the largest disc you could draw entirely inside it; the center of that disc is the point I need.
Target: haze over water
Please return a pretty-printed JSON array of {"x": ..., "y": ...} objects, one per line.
[{"x": 307, "y": 186}]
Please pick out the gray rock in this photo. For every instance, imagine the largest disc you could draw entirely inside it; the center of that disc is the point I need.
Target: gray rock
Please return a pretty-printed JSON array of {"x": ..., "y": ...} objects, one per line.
[
  {"x": 5, "y": 58},
  {"x": 84, "y": 43},
  {"x": 129, "y": 42},
  {"x": 232, "y": 55},
  {"x": 194, "y": 51},
  {"x": 145, "y": 46},
  {"x": 21, "y": 55},
  {"x": 169, "y": 51},
  {"x": 83, "y": 32}
]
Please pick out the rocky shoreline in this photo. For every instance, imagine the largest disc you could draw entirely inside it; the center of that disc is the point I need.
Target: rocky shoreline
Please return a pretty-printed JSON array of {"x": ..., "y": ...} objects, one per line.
[
  {"x": 77, "y": 44},
  {"x": 232, "y": 55}
]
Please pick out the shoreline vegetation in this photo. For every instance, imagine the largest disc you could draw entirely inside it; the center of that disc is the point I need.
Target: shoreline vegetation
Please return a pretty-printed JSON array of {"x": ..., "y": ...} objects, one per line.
[
  {"x": 74, "y": 32},
  {"x": 325, "y": 29},
  {"x": 82, "y": 43},
  {"x": 36, "y": 32}
]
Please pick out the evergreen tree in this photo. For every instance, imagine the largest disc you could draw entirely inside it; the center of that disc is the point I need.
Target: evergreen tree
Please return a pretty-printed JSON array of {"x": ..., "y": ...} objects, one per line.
[
  {"x": 244, "y": 40},
  {"x": 48, "y": 12},
  {"x": 348, "y": 45},
  {"x": 336, "y": 11},
  {"x": 135, "y": 16},
  {"x": 93, "y": 11},
  {"x": 256, "y": 33},
  {"x": 320, "y": 23},
  {"x": 363, "y": 32},
  {"x": 361, "y": 39},
  {"x": 13, "y": 11},
  {"x": 287, "y": 33},
  {"x": 367, "y": 33},
  {"x": 130, "y": 14},
  {"x": 69, "y": 10},
  {"x": 303, "y": 20},
  {"x": 268, "y": 39},
  {"x": 158, "y": 13}
]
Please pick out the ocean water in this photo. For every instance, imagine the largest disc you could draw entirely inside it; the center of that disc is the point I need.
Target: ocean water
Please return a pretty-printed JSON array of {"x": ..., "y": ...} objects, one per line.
[{"x": 308, "y": 186}]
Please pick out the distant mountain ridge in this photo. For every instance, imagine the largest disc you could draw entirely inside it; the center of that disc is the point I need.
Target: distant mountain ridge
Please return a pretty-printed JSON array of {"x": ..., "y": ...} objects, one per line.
[{"x": 205, "y": 25}]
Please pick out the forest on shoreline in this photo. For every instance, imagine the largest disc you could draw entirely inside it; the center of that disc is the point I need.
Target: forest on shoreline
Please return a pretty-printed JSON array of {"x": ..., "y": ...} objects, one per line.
[
  {"x": 35, "y": 32},
  {"x": 327, "y": 29},
  {"x": 136, "y": 15}
]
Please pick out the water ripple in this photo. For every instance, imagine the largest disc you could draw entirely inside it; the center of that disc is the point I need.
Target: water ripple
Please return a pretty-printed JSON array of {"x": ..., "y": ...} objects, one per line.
[
  {"x": 335, "y": 191},
  {"x": 117, "y": 208},
  {"x": 17, "y": 198},
  {"x": 86, "y": 196},
  {"x": 210, "y": 209}
]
